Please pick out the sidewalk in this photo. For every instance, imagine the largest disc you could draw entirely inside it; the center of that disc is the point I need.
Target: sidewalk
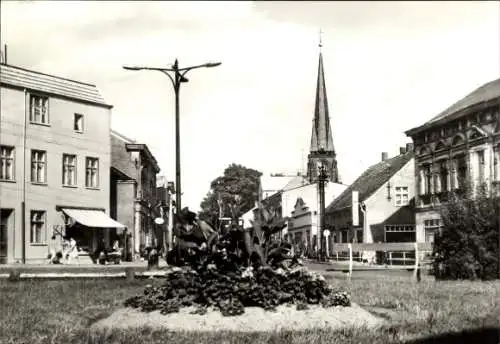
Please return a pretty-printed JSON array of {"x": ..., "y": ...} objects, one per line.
[{"x": 138, "y": 268}]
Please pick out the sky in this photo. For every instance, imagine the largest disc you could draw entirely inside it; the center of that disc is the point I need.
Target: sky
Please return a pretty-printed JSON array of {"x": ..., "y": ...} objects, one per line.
[{"x": 389, "y": 67}]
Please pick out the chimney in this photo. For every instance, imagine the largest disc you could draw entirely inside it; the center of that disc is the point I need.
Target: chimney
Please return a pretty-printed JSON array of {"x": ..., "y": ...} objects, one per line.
[
  {"x": 384, "y": 156},
  {"x": 409, "y": 147},
  {"x": 402, "y": 150}
]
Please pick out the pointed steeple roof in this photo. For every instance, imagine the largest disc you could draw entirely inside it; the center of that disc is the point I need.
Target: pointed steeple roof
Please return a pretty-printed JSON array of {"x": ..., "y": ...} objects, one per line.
[{"x": 321, "y": 137}]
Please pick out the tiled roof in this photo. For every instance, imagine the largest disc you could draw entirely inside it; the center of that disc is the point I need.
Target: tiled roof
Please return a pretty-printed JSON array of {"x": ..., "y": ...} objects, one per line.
[
  {"x": 24, "y": 78},
  {"x": 370, "y": 181},
  {"x": 487, "y": 92}
]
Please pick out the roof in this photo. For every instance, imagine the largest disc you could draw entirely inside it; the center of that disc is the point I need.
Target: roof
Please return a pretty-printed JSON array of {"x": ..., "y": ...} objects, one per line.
[
  {"x": 122, "y": 137},
  {"x": 144, "y": 148},
  {"x": 321, "y": 137},
  {"x": 120, "y": 158},
  {"x": 296, "y": 182},
  {"x": 275, "y": 183},
  {"x": 487, "y": 92},
  {"x": 120, "y": 146},
  {"x": 370, "y": 181},
  {"x": 50, "y": 84}
]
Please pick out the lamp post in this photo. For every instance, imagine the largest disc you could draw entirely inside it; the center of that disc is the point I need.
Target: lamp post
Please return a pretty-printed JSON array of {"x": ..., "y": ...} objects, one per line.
[
  {"x": 177, "y": 78},
  {"x": 322, "y": 180}
]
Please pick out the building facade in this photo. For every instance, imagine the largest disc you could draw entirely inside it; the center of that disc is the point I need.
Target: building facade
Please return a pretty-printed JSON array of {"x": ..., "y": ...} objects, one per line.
[
  {"x": 299, "y": 194},
  {"x": 54, "y": 164},
  {"x": 460, "y": 147},
  {"x": 301, "y": 205},
  {"x": 133, "y": 197},
  {"x": 385, "y": 200}
]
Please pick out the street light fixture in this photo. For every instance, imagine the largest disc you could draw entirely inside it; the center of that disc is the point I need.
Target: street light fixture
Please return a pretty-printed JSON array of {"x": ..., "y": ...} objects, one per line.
[
  {"x": 322, "y": 180},
  {"x": 177, "y": 78}
]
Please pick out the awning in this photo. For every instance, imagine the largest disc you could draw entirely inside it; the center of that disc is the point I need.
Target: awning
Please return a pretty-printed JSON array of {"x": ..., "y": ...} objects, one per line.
[{"x": 92, "y": 218}]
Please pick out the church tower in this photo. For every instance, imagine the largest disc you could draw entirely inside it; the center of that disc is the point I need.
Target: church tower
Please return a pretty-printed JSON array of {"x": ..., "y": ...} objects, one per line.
[{"x": 321, "y": 150}]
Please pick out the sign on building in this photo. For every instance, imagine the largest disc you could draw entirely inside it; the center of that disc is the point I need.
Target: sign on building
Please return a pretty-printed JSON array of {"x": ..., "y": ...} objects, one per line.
[{"x": 355, "y": 208}]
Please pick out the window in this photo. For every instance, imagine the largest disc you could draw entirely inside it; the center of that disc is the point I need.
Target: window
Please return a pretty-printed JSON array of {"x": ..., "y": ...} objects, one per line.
[
  {"x": 38, "y": 166},
  {"x": 443, "y": 176},
  {"x": 69, "y": 170},
  {"x": 400, "y": 233},
  {"x": 92, "y": 172},
  {"x": 78, "y": 123},
  {"x": 38, "y": 228},
  {"x": 461, "y": 171},
  {"x": 496, "y": 164},
  {"x": 427, "y": 179},
  {"x": 6, "y": 163},
  {"x": 480, "y": 165},
  {"x": 39, "y": 109},
  {"x": 401, "y": 196},
  {"x": 430, "y": 228}
]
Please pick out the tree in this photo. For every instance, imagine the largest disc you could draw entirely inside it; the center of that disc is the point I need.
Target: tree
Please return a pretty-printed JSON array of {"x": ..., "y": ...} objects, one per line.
[
  {"x": 232, "y": 194},
  {"x": 468, "y": 245}
]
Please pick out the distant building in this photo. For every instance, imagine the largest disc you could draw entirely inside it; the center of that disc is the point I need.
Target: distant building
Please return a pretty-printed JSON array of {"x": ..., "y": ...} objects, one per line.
[
  {"x": 297, "y": 197},
  {"x": 301, "y": 206},
  {"x": 55, "y": 160},
  {"x": 133, "y": 199},
  {"x": 385, "y": 192},
  {"x": 461, "y": 145}
]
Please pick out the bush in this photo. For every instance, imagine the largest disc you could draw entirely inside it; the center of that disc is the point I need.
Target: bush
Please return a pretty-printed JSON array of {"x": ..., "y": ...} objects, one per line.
[{"x": 467, "y": 247}]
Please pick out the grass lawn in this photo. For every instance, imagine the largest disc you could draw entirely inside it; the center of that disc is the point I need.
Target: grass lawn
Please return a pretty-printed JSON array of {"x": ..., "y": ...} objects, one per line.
[{"x": 39, "y": 311}]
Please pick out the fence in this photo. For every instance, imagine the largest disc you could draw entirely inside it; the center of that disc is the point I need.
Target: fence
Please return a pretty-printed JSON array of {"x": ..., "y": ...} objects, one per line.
[{"x": 396, "y": 255}]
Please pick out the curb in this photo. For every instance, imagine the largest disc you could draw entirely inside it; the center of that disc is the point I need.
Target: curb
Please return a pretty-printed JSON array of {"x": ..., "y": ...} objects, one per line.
[{"x": 14, "y": 276}]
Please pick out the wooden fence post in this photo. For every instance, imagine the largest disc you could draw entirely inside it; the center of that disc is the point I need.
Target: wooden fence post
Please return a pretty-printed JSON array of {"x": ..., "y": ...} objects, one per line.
[
  {"x": 15, "y": 275},
  {"x": 129, "y": 273},
  {"x": 416, "y": 271},
  {"x": 350, "y": 260}
]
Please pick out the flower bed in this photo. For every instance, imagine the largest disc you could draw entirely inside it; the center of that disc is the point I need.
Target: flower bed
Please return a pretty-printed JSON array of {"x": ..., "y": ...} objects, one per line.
[{"x": 232, "y": 291}]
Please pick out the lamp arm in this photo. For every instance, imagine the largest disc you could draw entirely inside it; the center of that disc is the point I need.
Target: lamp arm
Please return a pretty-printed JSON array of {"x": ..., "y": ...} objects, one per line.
[{"x": 169, "y": 76}]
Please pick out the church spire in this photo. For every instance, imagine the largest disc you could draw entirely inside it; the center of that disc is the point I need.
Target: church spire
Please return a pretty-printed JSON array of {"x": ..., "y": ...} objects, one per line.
[{"x": 321, "y": 149}]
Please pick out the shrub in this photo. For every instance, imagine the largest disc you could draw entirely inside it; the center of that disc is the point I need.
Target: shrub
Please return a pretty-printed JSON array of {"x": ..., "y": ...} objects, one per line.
[{"x": 467, "y": 247}]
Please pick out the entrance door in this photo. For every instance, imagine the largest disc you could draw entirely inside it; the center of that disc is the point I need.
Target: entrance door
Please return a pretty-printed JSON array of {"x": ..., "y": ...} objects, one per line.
[{"x": 5, "y": 221}]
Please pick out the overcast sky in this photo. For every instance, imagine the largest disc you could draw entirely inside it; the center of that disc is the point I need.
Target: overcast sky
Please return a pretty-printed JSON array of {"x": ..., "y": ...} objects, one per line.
[{"x": 389, "y": 66}]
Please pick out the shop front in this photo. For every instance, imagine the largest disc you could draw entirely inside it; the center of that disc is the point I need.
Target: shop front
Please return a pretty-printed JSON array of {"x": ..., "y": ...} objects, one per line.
[{"x": 92, "y": 229}]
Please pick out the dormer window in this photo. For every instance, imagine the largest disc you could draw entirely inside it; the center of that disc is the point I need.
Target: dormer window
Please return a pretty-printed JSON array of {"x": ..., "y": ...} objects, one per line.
[{"x": 78, "y": 123}]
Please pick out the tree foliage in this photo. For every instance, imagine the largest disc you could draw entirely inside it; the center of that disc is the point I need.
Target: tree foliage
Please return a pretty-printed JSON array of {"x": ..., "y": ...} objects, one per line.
[
  {"x": 236, "y": 191},
  {"x": 467, "y": 246}
]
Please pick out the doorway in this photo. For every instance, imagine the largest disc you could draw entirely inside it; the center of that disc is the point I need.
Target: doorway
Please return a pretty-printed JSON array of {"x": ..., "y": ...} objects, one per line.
[{"x": 6, "y": 221}]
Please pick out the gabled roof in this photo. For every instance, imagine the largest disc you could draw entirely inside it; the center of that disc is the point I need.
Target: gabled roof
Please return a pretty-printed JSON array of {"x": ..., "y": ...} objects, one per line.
[
  {"x": 486, "y": 93},
  {"x": 321, "y": 137},
  {"x": 370, "y": 181},
  {"x": 50, "y": 84}
]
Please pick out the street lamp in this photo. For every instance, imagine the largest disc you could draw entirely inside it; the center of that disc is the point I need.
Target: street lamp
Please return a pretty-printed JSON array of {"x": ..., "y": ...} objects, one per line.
[
  {"x": 177, "y": 78},
  {"x": 322, "y": 180}
]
